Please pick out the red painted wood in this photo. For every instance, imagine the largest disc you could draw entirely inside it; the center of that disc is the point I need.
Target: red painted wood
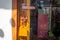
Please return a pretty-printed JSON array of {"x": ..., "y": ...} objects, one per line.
[{"x": 42, "y": 26}]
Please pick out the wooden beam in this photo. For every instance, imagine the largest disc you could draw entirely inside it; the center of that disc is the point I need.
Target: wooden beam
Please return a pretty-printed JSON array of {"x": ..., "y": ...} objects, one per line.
[{"x": 14, "y": 17}]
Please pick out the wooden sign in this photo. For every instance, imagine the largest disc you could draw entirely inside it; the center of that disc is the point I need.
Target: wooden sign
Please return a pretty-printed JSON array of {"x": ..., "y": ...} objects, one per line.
[{"x": 42, "y": 25}]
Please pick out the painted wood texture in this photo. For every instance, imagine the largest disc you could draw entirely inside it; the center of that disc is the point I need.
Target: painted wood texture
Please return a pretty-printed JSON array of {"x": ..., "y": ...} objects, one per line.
[{"x": 43, "y": 25}]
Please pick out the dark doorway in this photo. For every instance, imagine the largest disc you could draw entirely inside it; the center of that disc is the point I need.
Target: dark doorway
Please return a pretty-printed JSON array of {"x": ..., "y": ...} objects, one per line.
[{"x": 33, "y": 21}]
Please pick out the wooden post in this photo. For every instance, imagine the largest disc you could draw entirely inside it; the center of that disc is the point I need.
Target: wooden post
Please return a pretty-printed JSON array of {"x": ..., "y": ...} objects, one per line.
[{"x": 14, "y": 17}]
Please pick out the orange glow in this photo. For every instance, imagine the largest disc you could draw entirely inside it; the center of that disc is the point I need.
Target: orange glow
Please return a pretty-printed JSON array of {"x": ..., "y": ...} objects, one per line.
[{"x": 14, "y": 17}]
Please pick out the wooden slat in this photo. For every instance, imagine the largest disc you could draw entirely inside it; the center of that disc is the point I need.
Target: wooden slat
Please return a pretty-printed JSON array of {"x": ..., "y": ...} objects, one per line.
[{"x": 28, "y": 14}]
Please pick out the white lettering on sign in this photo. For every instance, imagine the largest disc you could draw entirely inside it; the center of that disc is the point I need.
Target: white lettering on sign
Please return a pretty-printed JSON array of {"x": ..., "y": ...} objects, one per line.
[{"x": 28, "y": 7}]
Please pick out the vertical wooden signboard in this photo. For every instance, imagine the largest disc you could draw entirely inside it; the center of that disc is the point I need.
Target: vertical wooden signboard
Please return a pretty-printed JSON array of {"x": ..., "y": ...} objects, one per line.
[
  {"x": 42, "y": 25},
  {"x": 24, "y": 19}
]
